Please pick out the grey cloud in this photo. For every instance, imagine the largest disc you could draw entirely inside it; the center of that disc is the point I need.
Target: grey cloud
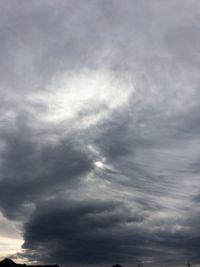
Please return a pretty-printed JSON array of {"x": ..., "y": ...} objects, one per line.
[
  {"x": 196, "y": 198},
  {"x": 32, "y": 170},
  {"x": 149, "y": 145},
  {"x": 83, "y": 232},
  {"x": 41, "y": 39},
  {"x": 101, "y": 232},
  {"x": 8, "y": 230}
]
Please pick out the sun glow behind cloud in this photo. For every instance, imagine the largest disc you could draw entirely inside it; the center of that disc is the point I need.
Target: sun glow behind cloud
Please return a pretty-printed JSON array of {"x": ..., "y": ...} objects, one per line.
[
  {"x": 9, "y": 246},
  {"x": 88, "y": 95},
  {"x": 10, "y": 237},
  {"x": 99, "y": 164}
]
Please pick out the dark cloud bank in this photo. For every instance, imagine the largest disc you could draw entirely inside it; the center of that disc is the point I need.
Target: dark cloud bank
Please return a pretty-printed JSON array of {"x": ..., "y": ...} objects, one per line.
[{"x": 97, "y": 174}]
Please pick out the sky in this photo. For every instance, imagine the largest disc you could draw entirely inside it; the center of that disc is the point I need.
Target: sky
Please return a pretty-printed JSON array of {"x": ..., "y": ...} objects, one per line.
[{"x": 100, "y": 132}]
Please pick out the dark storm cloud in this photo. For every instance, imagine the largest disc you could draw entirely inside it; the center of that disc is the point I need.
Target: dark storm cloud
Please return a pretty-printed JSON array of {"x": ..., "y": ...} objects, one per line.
[
  {"x": 100, "y": 232},
  {"x": 32, "y": 170},
  {"x": 126, "y": 168},
  {"x": 84, "y": 232}
]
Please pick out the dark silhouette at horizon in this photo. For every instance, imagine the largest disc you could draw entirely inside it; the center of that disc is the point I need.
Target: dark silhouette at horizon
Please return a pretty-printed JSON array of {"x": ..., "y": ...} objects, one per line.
[
  {"x": 117, "y": 265},
  {"x": 10, "y": 263}
]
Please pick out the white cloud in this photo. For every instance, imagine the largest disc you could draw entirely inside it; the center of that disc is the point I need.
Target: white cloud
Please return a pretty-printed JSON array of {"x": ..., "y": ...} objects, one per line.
[{"x": 88, "y": 96}]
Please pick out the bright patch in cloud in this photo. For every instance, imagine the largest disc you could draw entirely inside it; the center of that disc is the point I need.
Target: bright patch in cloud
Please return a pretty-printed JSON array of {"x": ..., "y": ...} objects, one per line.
[
  {"x": 88, "y": 95},
  {"x": 9, "y": 246},
  {"x": 99, "y": 164}
]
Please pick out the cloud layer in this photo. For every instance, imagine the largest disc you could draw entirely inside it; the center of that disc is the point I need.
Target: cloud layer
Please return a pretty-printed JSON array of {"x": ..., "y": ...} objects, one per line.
[{"x": 99, "y": 131}]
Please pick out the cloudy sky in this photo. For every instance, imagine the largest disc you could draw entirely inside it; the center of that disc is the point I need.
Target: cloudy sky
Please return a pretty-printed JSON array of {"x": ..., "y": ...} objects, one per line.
[{"x": 100, "y": 132}]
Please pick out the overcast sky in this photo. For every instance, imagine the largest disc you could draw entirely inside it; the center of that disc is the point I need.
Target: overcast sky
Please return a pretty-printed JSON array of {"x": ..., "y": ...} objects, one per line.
[{"x": 100, "y": 132}]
